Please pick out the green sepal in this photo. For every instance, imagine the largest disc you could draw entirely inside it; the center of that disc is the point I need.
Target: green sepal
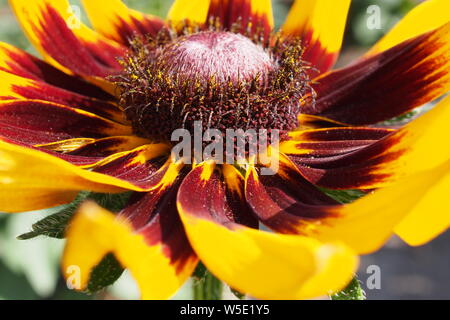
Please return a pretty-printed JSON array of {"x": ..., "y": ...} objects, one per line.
[
  {"x": 54, "y": 226},
  {"x": 104, "y": 274}
]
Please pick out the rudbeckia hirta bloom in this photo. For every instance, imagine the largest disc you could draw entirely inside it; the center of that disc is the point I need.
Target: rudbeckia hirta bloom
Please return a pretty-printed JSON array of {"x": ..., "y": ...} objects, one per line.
[{"x": 98, "y": 116}]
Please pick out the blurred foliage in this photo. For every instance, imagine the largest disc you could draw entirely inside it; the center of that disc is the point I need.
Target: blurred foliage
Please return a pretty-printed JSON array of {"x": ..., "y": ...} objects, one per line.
[
  {"x": 30, "y": 269},
  {"x": 358, "y": 34}
]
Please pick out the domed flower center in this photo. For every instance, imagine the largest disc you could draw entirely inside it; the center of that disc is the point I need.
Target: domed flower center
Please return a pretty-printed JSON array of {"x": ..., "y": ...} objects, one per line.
[
  {"x": 223, "y": 56},
  {"x": 221, "y": 80}
]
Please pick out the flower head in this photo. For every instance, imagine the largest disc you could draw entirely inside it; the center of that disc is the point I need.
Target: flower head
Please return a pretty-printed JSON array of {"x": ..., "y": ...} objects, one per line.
[{"x": 99, "y": 116}]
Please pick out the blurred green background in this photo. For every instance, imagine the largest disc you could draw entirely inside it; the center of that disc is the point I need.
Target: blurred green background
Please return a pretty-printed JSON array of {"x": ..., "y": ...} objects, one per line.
[{"x": 30, "y": 269}]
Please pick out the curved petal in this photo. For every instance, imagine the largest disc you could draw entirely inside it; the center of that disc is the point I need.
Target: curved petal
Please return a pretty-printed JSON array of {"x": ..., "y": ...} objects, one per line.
[
  {"x": 112, "y": 19},
  {"x": 33, "y": 180},
  {"x": 36, "y": 122},
  {"x": 415, "y": 207},
  {"x": 416, "y": 147},
  {"x": 256, "y": 14},
  {"x": 160, "y": 262},
  {"x": 23, "y": 64},
  {"x": 145, "y": 167},
  {"x": 55, "y": 29},
  {"x": 426, "y": 16},
  {"x": 67, "y": 145},
  {"x": 86, "y": 162},
  {"x": 431, "y": 214},
  {"x": 321, "y": 25},
  {"x": 259, "y": 263},
  {"x": 15, "y": 87},
  {"x": 388, "y": 84},
  {"x": 285, "y": 199},
  {"x": 107, "y": 146}
]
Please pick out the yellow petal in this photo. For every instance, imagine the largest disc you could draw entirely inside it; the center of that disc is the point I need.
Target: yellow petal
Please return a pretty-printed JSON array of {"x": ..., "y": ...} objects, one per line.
[
  {"x": 43, "y": 21},
  {"x": 270, "y": 266},
  {"x": 195, "y": 11},
  {"x": 321, "y": 24},
  {"x": 416, "y": 207},
  {"x": 32, "y": 180},
  {"x": 114, "y": 20},
  {"x": 431, "y": 215},
  {"x": 262, "y": 264},
  {"x": 95, "y": 232},
  {"x": 427, "y": 16},
  {"x": 419, "y": 145}
]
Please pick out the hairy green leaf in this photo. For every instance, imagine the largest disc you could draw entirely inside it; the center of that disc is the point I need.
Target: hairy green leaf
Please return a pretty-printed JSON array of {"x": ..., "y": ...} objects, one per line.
[
  {"x": 352, "y": 292},
  {"x": 105, "y": 274},
  {"x": 55, "y": 225}
]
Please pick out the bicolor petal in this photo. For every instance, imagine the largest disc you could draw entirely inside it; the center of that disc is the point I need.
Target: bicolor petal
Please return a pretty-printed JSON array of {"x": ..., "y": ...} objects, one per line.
[
  {"x": 388, "y": 84},
  {"x": 23, "y": 64},
  {"x": 412, "y": 207},
  {"x": 308, "y": 122},
  {"x": 259, "y": 263},
  {"x": 114, "y": 20},
  {"x": 284, "y": 199},
  {"x": 321, "y": 25},
  {"x": 16, "y": 87},
  {"x": 159, "y": 257},
  {"x": 37, "y": 122},
  {"x": 55, "y": 29},
  {"x": 107, "y": 146},
  {"x": 62, "y": 149},
  {"x": 146, "y": 167},
  {"x": 413, "y": 148},
  {"x": 313, "y": 145},
  {"x": 33, "y": 180},
  {"x": 255, "y": 14}
]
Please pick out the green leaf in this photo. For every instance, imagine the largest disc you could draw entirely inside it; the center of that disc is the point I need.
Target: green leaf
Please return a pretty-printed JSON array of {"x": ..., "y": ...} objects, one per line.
[
  {"x": 344, "y": 196},
  {"x": 206, "y": 285},
  {"x": 112, "y": 202},
  {"x": 105, "y": 274},
  {"x": 352, "y": 292},
  {"x": 55, "y": 225}
]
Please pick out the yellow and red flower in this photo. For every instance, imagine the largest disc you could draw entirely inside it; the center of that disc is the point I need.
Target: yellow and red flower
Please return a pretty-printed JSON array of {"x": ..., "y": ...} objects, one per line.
[{"x": 66, "y": 127}]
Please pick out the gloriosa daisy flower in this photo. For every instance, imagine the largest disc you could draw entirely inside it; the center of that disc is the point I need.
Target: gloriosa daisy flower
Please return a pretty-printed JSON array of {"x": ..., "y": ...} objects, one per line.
[{"x": 98, "y": 115}]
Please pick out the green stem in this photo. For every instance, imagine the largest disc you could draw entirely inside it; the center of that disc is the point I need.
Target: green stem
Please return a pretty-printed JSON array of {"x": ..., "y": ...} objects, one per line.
[{"x": 208, "y": 288}]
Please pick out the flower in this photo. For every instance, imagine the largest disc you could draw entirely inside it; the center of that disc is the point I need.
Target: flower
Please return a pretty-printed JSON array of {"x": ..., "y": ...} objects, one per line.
[{"x": 98, "y": 114}]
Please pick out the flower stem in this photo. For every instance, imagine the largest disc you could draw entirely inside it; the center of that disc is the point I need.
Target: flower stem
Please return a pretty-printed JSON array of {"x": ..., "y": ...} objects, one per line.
[{"x": 208, "y": 288}]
